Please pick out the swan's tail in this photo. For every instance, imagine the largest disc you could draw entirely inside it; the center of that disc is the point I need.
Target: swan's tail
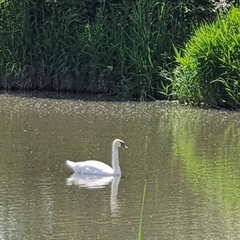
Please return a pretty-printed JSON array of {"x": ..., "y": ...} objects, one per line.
[{"x": 70, "y": 164}]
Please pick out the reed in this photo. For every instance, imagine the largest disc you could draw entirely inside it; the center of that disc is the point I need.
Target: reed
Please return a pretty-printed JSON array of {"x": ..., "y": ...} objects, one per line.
[
  {"x": 117, "y": 48},
  {"x": 126, "y": 49},
  {"x": 140, "y": 229}
]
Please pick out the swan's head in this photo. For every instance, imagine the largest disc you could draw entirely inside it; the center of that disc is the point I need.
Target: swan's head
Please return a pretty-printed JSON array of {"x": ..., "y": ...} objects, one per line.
[{"x": 119, "y": 143}]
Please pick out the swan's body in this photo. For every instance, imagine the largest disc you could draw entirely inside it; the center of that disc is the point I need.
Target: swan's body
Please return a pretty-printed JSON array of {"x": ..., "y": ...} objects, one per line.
[
  {"x": 95, "y": 167},
  {"x": 90, "y": 167}
]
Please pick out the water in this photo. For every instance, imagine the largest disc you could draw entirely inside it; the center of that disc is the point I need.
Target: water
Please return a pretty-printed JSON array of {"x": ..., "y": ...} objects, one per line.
[{"x": 189, "y": 159}]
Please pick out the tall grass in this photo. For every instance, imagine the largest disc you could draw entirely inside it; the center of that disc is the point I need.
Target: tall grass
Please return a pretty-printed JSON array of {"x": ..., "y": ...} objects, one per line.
[
  {"x": 128, "y": 48},
  {"x": 53, "y": 45},
  {"x": 209, "y": 65},
  {"x": 35, "y": 47}
]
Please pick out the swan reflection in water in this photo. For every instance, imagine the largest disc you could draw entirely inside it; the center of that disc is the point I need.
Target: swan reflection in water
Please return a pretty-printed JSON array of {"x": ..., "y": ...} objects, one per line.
[{"x": 95, "y": 182}]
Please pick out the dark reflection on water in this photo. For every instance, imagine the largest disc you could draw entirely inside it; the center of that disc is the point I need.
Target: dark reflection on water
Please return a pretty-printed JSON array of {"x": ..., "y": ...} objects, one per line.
[{"x": 189, "y": 159}]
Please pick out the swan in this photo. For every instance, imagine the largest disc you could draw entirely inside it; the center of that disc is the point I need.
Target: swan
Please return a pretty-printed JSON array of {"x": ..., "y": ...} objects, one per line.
[{"x": 94, "y": 167}]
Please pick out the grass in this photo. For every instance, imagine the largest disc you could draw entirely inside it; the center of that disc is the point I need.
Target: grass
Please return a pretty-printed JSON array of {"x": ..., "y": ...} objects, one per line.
[
  {"x": 118, "y": 49},
  {"x": 47, "y": 45},
  {"x": 208, "y": 68},
  {"x": 140, "y": 230}
]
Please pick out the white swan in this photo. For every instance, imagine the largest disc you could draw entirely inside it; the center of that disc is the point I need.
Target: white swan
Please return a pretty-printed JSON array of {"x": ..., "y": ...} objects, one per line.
[{"x": 99, "y": 168}]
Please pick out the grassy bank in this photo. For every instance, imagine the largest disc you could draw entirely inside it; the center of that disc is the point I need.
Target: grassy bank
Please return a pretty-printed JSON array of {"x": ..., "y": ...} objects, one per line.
[
  {"x": 111, "y": 47},
  {"x": 115, "y": 47}
]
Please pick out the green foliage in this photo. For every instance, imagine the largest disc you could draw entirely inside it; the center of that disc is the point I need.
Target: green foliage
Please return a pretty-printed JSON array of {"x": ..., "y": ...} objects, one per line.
[
  {"x": 114, "y": 46},
  {"x": 208, "y": 68},
  {"x": 53, "y": 45}
]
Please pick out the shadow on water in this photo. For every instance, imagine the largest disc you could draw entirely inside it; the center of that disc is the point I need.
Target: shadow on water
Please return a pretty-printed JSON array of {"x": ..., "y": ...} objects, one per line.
[{"x": 64, "y": 95}]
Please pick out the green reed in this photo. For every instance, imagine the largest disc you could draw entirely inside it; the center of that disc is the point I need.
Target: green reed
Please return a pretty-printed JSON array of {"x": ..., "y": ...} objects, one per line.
[
  {"x": 140, "y": 229},
  {"x": 50, "y": 45}
]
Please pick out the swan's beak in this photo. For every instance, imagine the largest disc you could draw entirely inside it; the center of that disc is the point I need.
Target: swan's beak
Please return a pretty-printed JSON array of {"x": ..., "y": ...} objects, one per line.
[{"x": 124, "y": 146}]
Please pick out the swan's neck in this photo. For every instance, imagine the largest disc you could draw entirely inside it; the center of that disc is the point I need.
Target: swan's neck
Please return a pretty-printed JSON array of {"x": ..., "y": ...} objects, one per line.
[{"x": 115, "y": 161}]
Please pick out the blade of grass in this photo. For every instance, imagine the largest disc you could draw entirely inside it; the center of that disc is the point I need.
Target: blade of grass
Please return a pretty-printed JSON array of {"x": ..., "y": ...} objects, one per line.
[{"x": 141, "y": 216}]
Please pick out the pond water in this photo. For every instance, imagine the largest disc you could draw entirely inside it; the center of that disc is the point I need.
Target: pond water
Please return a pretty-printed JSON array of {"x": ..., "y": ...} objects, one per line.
[{"x": 188, "y": 158}]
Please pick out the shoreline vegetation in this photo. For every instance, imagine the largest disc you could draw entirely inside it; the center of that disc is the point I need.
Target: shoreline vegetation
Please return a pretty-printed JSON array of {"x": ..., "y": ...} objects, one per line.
[{"x": 135, "y": 49}]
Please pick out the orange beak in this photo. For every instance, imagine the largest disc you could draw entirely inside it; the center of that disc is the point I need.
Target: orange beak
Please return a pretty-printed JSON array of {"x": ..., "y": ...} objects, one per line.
[{"x": 125, "y": 146}]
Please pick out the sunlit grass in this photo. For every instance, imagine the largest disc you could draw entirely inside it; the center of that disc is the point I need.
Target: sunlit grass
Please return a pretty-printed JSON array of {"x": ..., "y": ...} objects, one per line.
[{"x": 209, "y": 66}]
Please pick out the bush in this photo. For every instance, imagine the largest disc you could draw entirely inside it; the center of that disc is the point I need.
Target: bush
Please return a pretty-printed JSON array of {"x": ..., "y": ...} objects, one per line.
[{"x": 208, "y": 68}]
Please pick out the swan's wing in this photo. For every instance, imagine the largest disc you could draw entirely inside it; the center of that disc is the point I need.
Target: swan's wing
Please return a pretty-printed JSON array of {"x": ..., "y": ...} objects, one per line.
[{"x": 91, "y": 167}]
